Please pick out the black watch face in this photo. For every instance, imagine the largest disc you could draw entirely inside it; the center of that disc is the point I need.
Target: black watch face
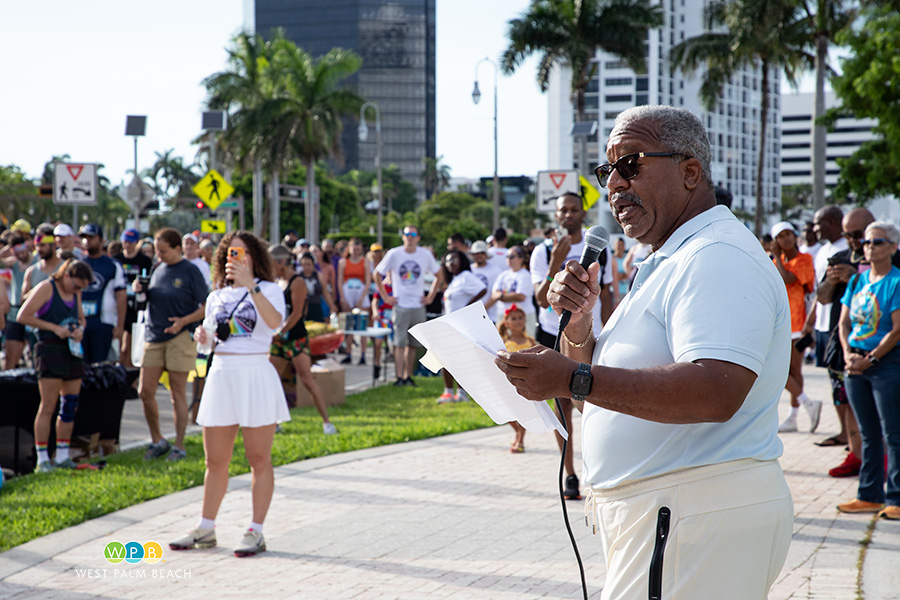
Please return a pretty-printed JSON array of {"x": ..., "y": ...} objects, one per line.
[{"x": 581, "y": 384}]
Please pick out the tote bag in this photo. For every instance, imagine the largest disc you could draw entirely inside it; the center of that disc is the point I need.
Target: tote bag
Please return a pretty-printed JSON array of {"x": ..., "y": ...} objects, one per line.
[{"x": 137, "y": 339}]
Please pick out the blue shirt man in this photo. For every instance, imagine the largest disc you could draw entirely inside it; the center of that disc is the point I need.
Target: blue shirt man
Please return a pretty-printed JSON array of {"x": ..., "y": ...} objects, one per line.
[{"x": 104, "y": 300}]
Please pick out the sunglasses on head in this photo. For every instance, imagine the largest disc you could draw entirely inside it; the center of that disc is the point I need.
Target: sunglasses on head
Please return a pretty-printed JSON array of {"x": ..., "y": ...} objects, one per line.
[
  {"x": 628, "y": 166},
  {"x": 875, "y": 242},
  {"x": 854, "y": 235}
]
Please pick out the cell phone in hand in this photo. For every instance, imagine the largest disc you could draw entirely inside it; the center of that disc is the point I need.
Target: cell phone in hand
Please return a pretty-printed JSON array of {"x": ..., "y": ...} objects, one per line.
[{"x": 236, "y": 253}]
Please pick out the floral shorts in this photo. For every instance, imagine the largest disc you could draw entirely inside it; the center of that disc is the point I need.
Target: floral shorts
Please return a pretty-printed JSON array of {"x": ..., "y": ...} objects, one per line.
[{"x": 290, "y": 348}]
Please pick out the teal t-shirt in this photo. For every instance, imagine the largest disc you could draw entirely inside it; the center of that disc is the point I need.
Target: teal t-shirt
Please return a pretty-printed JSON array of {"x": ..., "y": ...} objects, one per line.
[{"x": 871, "y": 305}]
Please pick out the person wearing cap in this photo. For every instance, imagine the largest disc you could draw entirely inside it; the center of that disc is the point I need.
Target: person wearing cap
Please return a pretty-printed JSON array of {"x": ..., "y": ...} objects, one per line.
[
  {"x": 18, "y": 264},
  {"x": 23, "y": 228},
  {"x": 191, "y": 245},
  {"x": 798, "y": 272},
  {"x": 290, "y": 238},
  {"x": 484, "y": 270},
  {"x": 66, "y": 242},
  {"x": 134, "y": 264},
  {"x": 104, "y": 301}
]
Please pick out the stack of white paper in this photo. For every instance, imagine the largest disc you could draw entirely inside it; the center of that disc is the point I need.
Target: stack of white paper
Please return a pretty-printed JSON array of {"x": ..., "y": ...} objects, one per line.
[{"x": 465, "y": 342}]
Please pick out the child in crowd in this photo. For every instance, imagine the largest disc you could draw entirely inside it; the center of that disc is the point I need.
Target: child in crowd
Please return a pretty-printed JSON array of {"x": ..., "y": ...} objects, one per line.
[{"x": 512, "y": 332}]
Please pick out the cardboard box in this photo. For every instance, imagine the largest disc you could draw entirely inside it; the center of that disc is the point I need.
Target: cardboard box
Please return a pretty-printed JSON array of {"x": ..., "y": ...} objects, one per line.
[{"x": 328, "y": 374}]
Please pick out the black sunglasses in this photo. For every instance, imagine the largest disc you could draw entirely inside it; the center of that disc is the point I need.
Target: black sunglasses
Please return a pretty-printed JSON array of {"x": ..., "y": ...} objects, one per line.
[
  {"x": 627, "y": 166},
  {"x": 875, "y": 242},
  {"x": 854, "y": 235}
]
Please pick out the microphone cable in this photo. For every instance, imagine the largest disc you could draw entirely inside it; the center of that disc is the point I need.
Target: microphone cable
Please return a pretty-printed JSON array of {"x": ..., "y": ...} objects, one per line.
[{"x": 559, "y": 481}]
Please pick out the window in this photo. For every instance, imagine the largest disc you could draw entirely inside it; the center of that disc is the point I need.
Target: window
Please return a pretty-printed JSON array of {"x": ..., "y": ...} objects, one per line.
[
  {"x": 618, "y": 81},
  {"x": 642, "y": 99},
  {"x": 619, "y": 98}
]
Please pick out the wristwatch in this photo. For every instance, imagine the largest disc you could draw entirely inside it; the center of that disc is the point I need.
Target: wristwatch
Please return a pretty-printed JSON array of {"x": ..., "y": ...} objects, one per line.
[
  {"x": 255, "y": 289},
  {"x": 873, "y": 360},
  {"x": 580, "y": 386}
]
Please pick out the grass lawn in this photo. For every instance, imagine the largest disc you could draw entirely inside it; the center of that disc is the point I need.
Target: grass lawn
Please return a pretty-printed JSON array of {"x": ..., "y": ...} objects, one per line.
[{"x": 35, "y": 505}]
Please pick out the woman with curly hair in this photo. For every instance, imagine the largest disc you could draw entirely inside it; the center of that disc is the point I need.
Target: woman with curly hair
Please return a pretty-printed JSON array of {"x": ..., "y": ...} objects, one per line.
[{"x": 242, "y": 388}]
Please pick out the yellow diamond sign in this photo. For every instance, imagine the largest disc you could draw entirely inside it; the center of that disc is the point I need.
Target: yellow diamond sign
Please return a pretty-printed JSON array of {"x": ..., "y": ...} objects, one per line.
[
  {"x": 589, "y": 193},
  {"x": 213, "y": 189}
]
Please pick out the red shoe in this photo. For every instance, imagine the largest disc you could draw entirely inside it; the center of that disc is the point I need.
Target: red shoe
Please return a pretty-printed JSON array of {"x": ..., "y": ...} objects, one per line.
[{"x": 848, "y": 468}]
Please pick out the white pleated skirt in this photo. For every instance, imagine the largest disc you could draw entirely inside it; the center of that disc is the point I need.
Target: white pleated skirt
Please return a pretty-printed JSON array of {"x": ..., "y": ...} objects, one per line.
[{"x": 242, "y": 389}]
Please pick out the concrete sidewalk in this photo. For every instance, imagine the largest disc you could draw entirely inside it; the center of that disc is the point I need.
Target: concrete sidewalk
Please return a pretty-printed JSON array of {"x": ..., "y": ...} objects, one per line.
[{"x": 451, "y": 517}]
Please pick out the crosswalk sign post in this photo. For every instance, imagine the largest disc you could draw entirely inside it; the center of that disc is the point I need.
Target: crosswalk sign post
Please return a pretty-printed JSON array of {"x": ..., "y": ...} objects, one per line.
[{"x": 213, "y": 189}]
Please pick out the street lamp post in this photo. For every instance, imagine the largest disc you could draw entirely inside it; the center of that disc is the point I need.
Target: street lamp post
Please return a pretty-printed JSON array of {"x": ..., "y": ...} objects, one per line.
[
  {"x": 136, "y": 126},
  {"x": 363, "y": 133},
  {"x": 476, "y": 96}
]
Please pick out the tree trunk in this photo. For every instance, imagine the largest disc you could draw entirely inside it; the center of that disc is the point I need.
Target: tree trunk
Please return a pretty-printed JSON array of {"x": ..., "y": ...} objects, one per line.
[
  {"x": 275, "y": 209},
  {"x": 257, "y": 196},
  {"x": 312, "y": 203},
  {"x": 763, "y": 121},
  {"x": 819, "y": 143}
]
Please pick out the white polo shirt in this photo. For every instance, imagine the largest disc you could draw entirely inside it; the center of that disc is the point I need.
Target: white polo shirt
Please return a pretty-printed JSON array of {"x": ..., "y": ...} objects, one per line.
[
  {"x": 710, "y": 292},
  {"x": 820, "y": 263}
]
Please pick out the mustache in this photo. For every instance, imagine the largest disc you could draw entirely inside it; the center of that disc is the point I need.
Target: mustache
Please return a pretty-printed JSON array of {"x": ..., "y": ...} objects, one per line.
[{"x": 629, "y": 197}]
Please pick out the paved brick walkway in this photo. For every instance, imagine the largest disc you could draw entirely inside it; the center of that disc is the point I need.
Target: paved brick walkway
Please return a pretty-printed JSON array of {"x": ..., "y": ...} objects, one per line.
[{"x": 453, "y": 517}]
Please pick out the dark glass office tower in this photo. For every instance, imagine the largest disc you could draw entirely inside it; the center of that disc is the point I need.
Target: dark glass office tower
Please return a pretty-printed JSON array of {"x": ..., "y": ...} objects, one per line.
[{"x": 395, "y": 39}]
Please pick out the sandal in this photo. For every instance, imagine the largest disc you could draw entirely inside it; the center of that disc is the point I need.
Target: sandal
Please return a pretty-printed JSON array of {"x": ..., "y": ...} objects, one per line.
[
  {"x": 832, "y": 441},
  {"x": 517, "y": 448}
]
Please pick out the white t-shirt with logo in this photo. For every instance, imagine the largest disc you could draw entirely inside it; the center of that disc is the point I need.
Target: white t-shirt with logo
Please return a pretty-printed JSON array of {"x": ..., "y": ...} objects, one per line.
[
  {"x": 515, "y": 282},
  {"x": 488, "y": 275},
  {"x": 820, "y": 262},
  {"x": 540, "y": 267},
  {"x": 408, "y": 271},
  {"x": 249, "y": 332},
  {"x": 497, "y": 257},
  {"x": 462, "y": 288}
]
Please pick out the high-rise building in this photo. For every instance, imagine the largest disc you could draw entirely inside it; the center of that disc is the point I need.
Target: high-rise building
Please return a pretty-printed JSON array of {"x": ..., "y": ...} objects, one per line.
[
  {"x": 733, "y": 124},
  {"x": 396, "y": 40},
  {"x": 841, "y": 141}
]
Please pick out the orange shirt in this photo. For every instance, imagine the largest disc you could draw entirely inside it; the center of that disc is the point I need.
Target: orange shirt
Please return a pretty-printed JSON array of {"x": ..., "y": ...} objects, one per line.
[
  {"x": 802, "y": 267},
  {"x": 355, "y": 270}
]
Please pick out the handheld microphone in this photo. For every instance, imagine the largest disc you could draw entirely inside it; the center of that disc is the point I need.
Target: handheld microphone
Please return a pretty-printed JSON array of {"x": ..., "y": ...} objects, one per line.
[{"x": 596, "y": 239}]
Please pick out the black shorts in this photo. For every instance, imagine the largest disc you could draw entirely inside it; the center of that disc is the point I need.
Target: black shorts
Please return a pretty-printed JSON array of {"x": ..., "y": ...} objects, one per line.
[
  {"x": 52, "y": 360},
  {"x": 14, "y": 332}
]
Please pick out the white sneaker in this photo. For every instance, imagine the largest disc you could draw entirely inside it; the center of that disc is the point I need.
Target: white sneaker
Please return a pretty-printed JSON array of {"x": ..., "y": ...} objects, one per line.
[
  {"x": 253, "y": 543},
  {"x": 789, "y": 425},
  {"x": 196, "y": 538},
  {"x": 329, "y": 428},
  {"x": 814, "y": 408}
]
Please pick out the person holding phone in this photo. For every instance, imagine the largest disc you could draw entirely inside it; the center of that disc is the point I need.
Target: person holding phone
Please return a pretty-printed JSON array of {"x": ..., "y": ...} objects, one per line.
[
  {"x": 176, "y": 298},
  {"x": 242, "y": 388}
]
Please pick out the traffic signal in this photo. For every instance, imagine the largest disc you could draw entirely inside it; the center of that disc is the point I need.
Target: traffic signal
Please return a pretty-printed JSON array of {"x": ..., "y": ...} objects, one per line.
[{"x": 199, "y": 205}]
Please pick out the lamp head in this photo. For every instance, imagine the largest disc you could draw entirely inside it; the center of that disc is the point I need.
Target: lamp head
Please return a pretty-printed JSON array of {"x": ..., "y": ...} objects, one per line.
[
  {"x": 362, "y": 131},
  {"x": 476, "y": 94}
]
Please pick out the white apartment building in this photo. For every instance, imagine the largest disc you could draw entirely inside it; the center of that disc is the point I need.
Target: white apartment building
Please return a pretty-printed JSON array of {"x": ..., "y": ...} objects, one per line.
[
  {"x": 796, "y": 139},
  {"x": 733, "y": 125}
]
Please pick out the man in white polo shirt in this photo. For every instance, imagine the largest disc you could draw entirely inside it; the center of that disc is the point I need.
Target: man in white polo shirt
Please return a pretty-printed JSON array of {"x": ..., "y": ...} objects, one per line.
[
  {"x": 680, "y": 391},
  {"x": 407, "y": 265}
]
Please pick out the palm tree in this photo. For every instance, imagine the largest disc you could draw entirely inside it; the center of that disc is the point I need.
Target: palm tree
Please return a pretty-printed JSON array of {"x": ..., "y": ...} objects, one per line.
[
  {"x": 766, "y": 34},
  {"x": 171, "y": 178},
  {"x": 828, "y": 18},
  {"x": 436, "y": 175},
  {"x": 570, "y": 32}
]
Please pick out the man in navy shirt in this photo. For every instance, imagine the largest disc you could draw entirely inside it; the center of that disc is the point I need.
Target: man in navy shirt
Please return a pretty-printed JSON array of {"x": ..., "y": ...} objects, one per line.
[{"x": 104, "y": 301}]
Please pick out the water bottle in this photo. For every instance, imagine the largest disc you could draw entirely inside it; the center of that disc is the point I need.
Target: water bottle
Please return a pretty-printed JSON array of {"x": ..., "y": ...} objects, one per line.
[
  {"x": 206, "y": 348},
  {"x": 140, "y": 298}
]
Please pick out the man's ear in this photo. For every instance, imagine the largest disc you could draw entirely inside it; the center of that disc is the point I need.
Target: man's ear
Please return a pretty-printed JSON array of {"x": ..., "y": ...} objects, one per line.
[{"x": 693, "y": 173}]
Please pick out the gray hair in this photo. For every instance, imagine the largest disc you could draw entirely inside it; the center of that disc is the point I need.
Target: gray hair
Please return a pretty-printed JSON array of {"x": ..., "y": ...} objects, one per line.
[
  {"x": 890, "y": 230},
  {"x": 680, "y": 131}
]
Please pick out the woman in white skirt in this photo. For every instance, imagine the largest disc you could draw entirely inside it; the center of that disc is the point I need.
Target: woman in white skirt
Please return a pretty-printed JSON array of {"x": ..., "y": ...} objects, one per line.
[{"x": 242, "y": 387}]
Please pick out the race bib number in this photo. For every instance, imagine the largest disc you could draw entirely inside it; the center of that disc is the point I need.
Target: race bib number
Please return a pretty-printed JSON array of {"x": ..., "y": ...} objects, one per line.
[{"x": 89, "y": 308}]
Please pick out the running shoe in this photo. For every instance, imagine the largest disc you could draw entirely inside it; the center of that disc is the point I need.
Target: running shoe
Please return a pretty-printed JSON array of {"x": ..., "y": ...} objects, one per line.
[
  {"x": 158, "y": 449},
  {"x": 67, "y": 464},
  {"x": 446, "y": 398},
  {"x": 814, "y": 408},
  {"x": 572, "y": 492},
  {"x": 849, "y": 468},
  {"x": 329, "y": 429},
  {"x": 44, "y": 467},
  {"x": 176, "y": 454},
  {"x": 197, "y": 538},
  {"x": 253, "y": 543},
  {"x": 860, "y": 506},
  {"x": 409, "y": 381},
  {"x": 789, "y": 425}
]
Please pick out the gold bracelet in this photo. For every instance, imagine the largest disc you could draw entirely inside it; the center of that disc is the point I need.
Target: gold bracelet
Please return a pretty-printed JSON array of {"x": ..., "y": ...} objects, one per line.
[{"x": 586, "y": 338}]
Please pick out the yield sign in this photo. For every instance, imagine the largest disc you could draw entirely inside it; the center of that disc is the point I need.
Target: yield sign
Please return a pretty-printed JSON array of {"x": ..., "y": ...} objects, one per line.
[
  {"x": 551, "y": 185},
  {"x": 558, "y": 179},
  {"x": 75, "y": 170}
]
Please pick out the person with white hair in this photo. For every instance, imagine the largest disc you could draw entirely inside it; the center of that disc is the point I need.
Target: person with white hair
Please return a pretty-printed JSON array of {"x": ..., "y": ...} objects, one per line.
[{"x": 191, "y": 246}]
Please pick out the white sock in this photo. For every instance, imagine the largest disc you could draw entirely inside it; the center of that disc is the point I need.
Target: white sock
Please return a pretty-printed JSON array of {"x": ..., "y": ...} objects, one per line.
[
  {"x": 62, "y": 454},
  {"x": 794, "y": 411},
  {"x": 804, "y": 400},
  {"x": 43, "y": 456},
  {"x": 206, "y": 523},
  {"x": 448, "y": 391},
  {"x": 461, "y": 393},
  {"x": 257, "y": 527}
]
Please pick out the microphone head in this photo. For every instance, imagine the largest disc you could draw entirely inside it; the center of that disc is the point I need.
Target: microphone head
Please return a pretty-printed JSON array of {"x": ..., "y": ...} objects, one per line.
[{"x": 597, "y": 237}]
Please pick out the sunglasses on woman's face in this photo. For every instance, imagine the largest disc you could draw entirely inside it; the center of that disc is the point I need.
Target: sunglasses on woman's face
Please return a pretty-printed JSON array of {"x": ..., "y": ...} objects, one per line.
[{"x": 875, "y": 242}]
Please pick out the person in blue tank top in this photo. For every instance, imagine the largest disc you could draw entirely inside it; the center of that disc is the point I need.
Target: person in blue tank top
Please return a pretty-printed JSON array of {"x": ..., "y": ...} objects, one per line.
[{"x": 54, "y": 309}]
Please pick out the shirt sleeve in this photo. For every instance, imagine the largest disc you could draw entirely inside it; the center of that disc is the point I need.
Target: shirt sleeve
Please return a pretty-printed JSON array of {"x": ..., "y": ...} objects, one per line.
[
  {"x": 606, "y": 274},
  {"x": 806, "y": 272},
  {"x": 433, "y": 265},
  {"x": 384, "y": 266},
  {"x": 119, "y": 281},
  {"x": 473, "y": 284},
  {"x": 275, "y": 296},
  {"x": 539, "y": 265},
  {"x": 700, "y": 302},
  {"x": 524, "y": 285}
]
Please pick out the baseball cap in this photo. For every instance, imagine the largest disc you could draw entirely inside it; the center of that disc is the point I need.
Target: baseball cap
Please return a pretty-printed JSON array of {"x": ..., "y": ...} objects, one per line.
[
  {"x": 190, "y": 236},
  {"x": 479, "y": 246},
  {"x": 22, "y": 226},
  {"x": 90, "y": 229},
  {"x": 63, "y": 230},
  {"x": 301, "y": 242},
  {"x": 781, "y": 227},
  {"x": 131, "y": 236},
  {"x": 375, "y": 247}
]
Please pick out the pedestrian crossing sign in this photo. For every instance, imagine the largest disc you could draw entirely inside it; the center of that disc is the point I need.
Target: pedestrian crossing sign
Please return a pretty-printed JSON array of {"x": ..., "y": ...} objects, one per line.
[
  {"x": 213, "y": 189},
  {"x": 212, "y": 226},
  {"x": 589, "y": 194}
]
